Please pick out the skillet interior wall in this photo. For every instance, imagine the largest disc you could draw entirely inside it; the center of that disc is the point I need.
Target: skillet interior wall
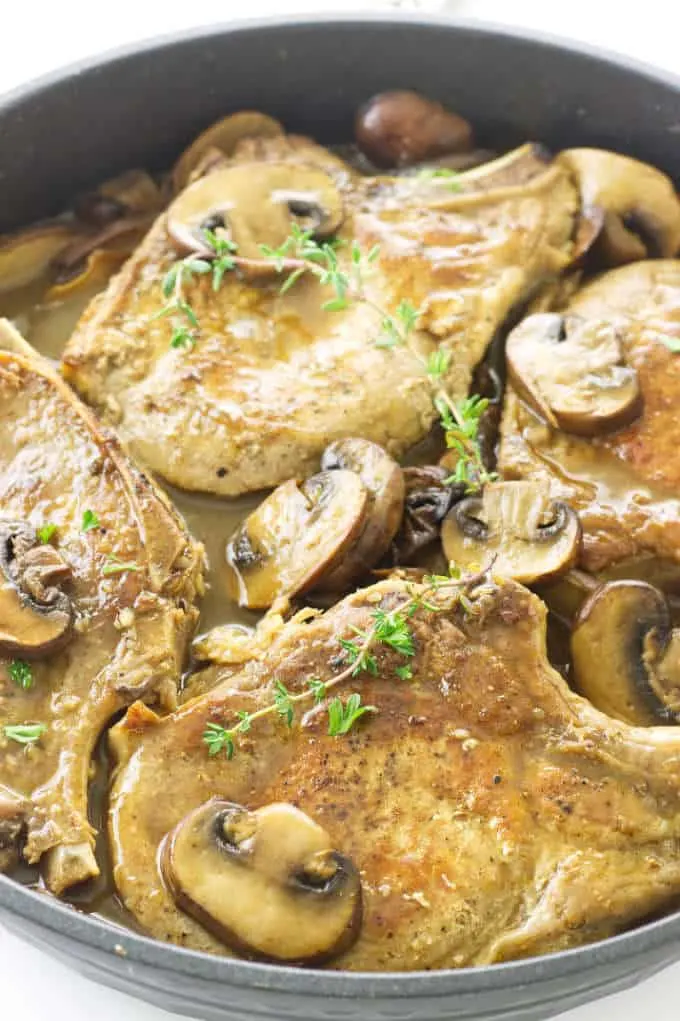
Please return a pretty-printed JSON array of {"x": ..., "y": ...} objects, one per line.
[{"x": 138, "y": 110}]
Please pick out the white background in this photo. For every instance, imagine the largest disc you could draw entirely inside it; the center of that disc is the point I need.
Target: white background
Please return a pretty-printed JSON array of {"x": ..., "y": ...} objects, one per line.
[{"x": 37, "y": 36}]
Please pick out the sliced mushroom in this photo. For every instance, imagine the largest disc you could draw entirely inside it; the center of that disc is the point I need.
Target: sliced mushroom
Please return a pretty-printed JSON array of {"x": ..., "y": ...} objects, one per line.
[
  {"x": 224, "y": 135},
  {"x": 269, "y": 883},
  {"x": 629, "y": 210},
  {"x": 626, "y": 655},
  {"x": 516, "y": 529},
  {"x": 92, "y": 276},
  {"x": 125, "y": 233},
  {"x": 254, "y": 204},
  {"x": 27, "y": 256},
  {"x": 395, "y": 129},
  {"x": 133, "y": 192},
  {"x": 35, "y": 615},
  {"x": 294, "y": 536},
  {"x": 383, "y": 480},
  {"x": 571, "y": 371},
  {"x": 429, "y": 498}
]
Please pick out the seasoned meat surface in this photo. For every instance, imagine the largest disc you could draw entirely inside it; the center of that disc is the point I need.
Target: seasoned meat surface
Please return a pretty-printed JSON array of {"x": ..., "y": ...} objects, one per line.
[
  {"x": 273, "y": 378},
  {"x": 131, "y": 624},
  {"x": 624, "y": 485},
  {"x": 491, "y": 813}
]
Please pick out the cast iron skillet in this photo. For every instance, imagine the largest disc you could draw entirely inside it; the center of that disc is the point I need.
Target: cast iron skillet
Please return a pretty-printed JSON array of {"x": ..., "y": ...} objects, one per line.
[{"x": 140, "y": 107}]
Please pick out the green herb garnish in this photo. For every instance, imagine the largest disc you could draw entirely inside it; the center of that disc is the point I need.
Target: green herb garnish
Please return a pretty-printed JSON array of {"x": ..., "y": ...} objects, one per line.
[
  {"x": 343, "y": 715},
  {"x": 114, "y": 565},
  {"x": 25, "y": 733},
  {"x": 21, "y": 673},
  {"x": 90, "y": 521},
  {"x": 46, "y": 532}
]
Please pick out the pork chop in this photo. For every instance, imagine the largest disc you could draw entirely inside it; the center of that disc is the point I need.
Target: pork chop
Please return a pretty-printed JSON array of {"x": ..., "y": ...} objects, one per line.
[
  {"x": 131, "y": 579},
  {"x": 624, "y": 485},
  {"x": 273, "y": 378},
  {"x": 490, "y": 812}
]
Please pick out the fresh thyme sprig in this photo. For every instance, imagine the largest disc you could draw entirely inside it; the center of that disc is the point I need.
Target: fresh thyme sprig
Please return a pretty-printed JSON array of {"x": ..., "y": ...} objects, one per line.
[
  {"x": 461, "y": 428},
  {"x": 390, "y": 629}
]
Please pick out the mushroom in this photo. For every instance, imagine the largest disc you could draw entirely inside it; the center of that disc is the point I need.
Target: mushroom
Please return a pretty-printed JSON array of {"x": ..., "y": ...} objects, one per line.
[
  {"x": 626, "y": 656},
  {"x": 383, "y": 480},
  {"x": 35, "y": 615},
  {"x": 254, "y": 205},
  {"x": 396, "y": 129},
  {"x": 25, "y": 257},
  {"x": 571, "y": 371},
  {"x": 133, "y": 192},
  {"x": 294, "y": 536},
  {"x": 629, "y": 210},
  {"x": 516, "y": 529},
  {"x": 429, "y": 498},
  {"x": 126, "y": 232},
  {"x": 224, "y": 135},
  {"x": 268, "y": 883}
]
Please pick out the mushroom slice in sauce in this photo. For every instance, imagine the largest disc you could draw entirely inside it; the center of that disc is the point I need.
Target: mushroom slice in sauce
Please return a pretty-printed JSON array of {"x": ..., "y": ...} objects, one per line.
[
  {"x": 516, "y": 528},
  {"x": 128, "y": 194},
  {"x": 27, "y": 256},
  {"x": 35, "y": 615},
  {"x": 396, "y": 129},
  {"x": 268, "y": 884},
  {"x": 297, "y": 534},
  {"x": 254, "y": 205},
  {"x": 429, "y": 498},
  {"x": 626, "y": 655},
  {"x": 571, "y": 371},
  {"x": 383, "y": 480},
  {"x": 629, "y": 210},
  {"x": 224, "y": 135}
]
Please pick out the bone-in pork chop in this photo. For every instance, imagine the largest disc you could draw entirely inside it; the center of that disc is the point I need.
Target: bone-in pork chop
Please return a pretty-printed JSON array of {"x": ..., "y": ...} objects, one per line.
[
  {"x": 490, "y": 812},
  {"x": 97, "y": 592},
  {"x": 273, "y": 378}
]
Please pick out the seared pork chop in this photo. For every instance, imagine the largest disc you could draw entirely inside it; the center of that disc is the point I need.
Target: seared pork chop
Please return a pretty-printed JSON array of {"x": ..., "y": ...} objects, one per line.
[
  {"x": 272, "y": 378},
  {"x": 491, "y": 813},
  {"x": 623, "y": 484},
  {"x": 106, "y": 579}
]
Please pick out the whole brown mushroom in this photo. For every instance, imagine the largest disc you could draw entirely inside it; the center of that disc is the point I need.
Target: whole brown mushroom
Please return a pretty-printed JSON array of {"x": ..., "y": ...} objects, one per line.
[{"x": 397, "y": 129}]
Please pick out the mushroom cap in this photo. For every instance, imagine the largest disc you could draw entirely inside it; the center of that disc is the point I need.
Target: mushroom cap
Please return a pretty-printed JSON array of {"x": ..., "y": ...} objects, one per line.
[
  {"x": 630, "y": 210},
  {"x": 266, "y": 883},
  {"x": 224, "y": 135},
  {"x": 383, "y": 480},
  {"x": 515, "y": 529},
  {"x": 398, "y": 128},
  {"x": 571, "y": 371},
  {"x": 626, "y": 657},
  {"x": 295, "y": 535},
  {"x": 36, "y": 617},
  {"x": 255, "y": 204}
]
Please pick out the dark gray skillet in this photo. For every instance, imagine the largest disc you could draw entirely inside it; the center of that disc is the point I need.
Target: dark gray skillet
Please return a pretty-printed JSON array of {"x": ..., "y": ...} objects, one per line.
[{"x": 139, "y": 107}]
